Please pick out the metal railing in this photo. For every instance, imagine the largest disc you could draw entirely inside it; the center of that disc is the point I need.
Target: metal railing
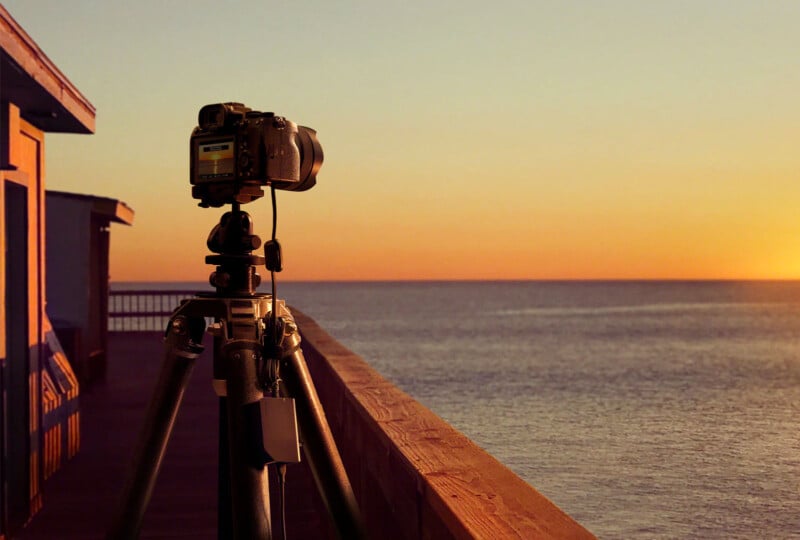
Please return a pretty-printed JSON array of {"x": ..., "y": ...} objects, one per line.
[{"x": 132, "y": 311}]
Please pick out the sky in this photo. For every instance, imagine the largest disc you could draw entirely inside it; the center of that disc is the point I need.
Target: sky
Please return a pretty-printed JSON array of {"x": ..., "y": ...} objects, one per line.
[{"x": 462, "y": 140}]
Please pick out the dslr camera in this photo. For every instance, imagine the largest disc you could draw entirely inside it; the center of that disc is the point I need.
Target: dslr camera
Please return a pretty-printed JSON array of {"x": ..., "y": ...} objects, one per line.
[{"x": 236, "y": 150}]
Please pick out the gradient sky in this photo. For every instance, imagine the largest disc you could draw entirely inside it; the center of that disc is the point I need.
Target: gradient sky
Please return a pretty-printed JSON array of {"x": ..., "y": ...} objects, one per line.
[{"x": 463, "y": 140}]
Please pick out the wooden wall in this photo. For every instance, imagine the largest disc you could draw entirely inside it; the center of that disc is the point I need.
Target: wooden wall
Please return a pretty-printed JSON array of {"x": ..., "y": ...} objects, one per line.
[
  {"x": 22, "y": 184},
  {"x": 24, "y": 328}
]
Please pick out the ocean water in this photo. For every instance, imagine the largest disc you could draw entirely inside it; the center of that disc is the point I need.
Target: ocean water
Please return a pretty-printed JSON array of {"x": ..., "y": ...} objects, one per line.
[{"x": 643, "y": 409}]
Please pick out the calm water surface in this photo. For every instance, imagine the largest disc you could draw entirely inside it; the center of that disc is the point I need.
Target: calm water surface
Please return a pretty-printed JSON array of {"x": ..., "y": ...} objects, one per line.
[{"x": 643, "y": 409}]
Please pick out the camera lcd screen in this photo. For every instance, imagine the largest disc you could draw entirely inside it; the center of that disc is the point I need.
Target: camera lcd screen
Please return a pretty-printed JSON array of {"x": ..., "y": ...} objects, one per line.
[{"x": 215, "y": 160}]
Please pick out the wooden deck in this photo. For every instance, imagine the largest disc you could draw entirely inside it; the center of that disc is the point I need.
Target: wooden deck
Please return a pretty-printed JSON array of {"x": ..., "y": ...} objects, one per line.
[
  {"x": 79, "y": 499},
  {"x": 413, "y": 474}
]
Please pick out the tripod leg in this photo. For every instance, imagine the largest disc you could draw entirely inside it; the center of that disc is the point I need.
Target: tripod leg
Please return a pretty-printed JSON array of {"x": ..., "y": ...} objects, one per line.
[
  {"x": 224, "y": 507},
  {"x": 249, "y": 487},
  {"x": 181, "y": 349},
  {"x": 318, "y": 444}
]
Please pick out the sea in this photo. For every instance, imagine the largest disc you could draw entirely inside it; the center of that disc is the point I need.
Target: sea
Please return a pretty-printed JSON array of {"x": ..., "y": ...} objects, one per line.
[{"x": 653, "y": 409}]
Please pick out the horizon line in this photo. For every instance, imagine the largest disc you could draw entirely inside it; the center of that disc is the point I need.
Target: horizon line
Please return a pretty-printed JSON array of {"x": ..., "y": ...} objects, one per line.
[{"x": 497, "y": 280}]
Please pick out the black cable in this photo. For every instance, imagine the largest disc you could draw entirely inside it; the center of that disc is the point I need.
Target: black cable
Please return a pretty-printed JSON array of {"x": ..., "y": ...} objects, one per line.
[
  {"x": 282, "y": 497},
  {"x": 274, "y": 212},
  {"x": 274, "y": 321}
]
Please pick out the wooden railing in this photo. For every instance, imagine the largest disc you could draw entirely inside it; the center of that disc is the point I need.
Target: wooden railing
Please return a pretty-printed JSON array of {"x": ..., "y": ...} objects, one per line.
[
  {"x": 413, "y": 474},
  {"x": 133, "y": 311}
]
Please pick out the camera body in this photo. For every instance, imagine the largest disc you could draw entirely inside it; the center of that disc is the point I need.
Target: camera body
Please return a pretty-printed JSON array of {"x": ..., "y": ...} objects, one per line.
[{"x": 235, "y": 151}]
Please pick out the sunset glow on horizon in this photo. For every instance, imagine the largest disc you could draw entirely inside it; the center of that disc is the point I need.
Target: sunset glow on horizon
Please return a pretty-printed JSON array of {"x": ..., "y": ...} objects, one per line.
[{"x": 518, "y": 140}]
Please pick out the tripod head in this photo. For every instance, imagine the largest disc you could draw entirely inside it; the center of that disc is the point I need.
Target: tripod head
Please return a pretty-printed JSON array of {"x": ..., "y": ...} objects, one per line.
[{"x": 233, "y": 241}]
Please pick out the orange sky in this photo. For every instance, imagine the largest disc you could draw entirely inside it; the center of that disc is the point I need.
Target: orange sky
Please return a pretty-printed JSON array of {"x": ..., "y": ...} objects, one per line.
[{"x": 532, "y": 140}]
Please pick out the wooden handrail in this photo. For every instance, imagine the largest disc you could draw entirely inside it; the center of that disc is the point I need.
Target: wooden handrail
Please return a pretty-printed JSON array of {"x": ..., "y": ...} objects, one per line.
[
  {"x": 138, "y": 310},
  {"x": 415, "y": 476}
]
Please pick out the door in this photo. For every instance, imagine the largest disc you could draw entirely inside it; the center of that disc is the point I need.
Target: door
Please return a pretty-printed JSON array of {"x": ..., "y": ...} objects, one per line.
[{"x": 15, "y": 403}]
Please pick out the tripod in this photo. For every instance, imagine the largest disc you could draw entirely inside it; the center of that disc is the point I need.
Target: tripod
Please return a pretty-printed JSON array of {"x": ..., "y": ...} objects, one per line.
[{"x": 256, "y": 353}]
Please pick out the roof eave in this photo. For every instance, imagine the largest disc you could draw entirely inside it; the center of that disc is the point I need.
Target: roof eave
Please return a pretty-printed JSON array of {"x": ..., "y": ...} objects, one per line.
[
  {"x": 65, "y": 98},
  {"x": 105, "y": 207}
]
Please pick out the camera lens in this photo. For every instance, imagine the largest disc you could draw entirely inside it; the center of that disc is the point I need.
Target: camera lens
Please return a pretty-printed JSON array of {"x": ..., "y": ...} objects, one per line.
[{"x": 310, "y": 158}]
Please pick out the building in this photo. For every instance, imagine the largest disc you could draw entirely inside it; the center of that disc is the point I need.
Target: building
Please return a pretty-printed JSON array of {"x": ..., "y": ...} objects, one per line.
[
  {"x": 38, "y": 412},
  {"x": 78, "y": 241}
]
